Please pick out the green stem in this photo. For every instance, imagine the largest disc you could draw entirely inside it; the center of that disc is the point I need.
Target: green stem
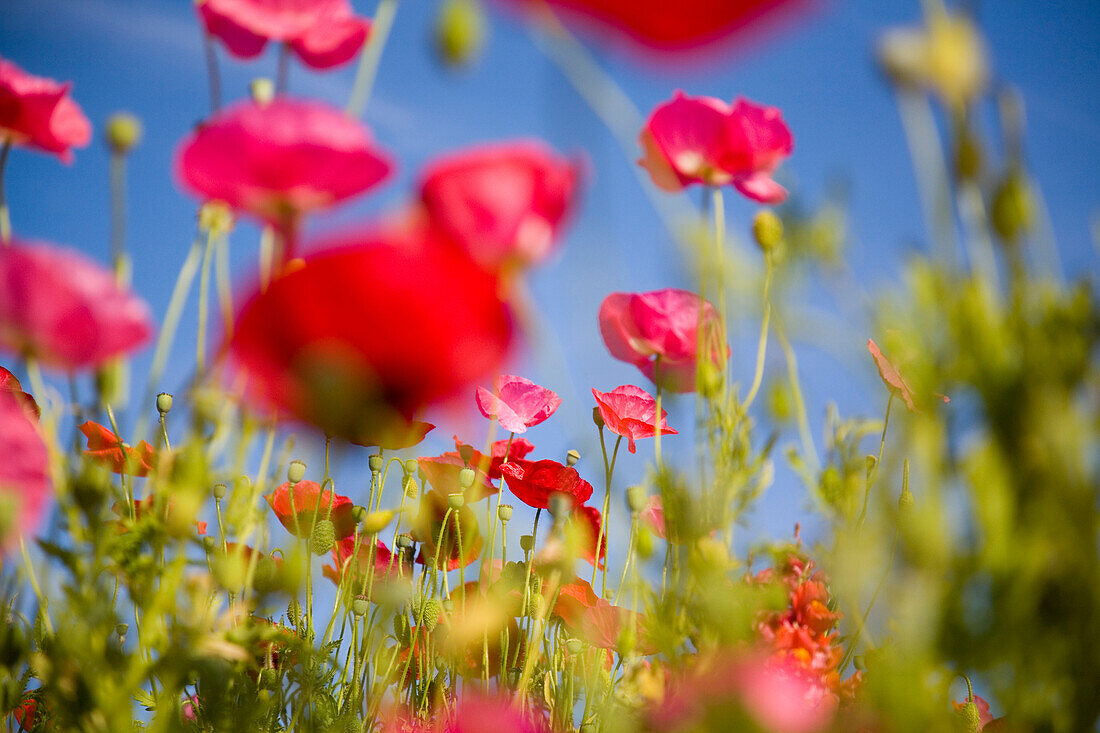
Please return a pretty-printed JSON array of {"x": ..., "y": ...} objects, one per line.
[
  {"x": 213, "y": 76},
  {"x": 796, "y": 393},
  {"x": 221, "y": 277},
  {"x": 878, "y": 462},
  {"x": 5, "y": 216},
  {"x": 762, "y": 345},
  {"x": 204, "y": 303},
  {"x": 370, "y": 58},
  {"x": 282, "y": 71}
]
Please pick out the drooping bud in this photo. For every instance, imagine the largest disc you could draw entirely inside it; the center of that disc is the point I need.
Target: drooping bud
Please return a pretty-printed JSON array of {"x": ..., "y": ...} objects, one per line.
[
  {"x": 455, "y": 501},
  {"x": 375, "y": 462},
  {"x": 971, "y": 717},
  {"x": 262, "y": 90},
  {"x": 635, "y": 498},
  {"x": 466, "y": 477},
  {"x": 123, "y": 132},
  {"x": 572, "y": 457},
  {"x": 767, "y": 230},
  {"x": 358, "y": 513},
  {"x": 219, "y": 491},
  {"x": 322, "y": 537},
  {"x": 164, "y": 403},
  {"x": 296, "y": 472},
  {"x": 504, "y": 512}
]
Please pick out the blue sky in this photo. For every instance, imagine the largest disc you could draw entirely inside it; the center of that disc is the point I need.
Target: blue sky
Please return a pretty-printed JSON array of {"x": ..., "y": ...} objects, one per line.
[{"x": 146, "y": 57}]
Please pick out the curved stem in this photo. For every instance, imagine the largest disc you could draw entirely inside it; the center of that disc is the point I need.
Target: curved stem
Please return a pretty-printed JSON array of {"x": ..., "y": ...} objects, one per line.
[
  {"x": 762, "y": 345},
  {"x": 878, "y": 462},
  {"x": 796, "y": 393}
]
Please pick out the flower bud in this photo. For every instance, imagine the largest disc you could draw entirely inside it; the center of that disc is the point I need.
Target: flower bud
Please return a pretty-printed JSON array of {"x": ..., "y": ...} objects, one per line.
[
  {"x": 455, "y": 501},
  {"x": 905, "y": 503},
  {"x": 460, "y": 31},
  {"x": 559, "y": 504},
  {"x": 293, "y": 611},
  {"x": 360, "y": 606},
  {"x": 208, "y": 543},
  {"x": 375, "y": 462},
  {"x": 572, "y": 457},
  {"x": 121, "y": 629},
  {"x": 971, "y": 718},
  {"x": 1012, "y": 210},
  {"x": 526, "y": 542},
  {"x": 404, "y": 541},
  {"x": 767, "y": 230},
  {"x": 504, "y": 512},
  {"x": 296, "y": 472},
  {"x": 358, "y": 513},
  {"x": 322, "y": 537},
  {"x": 262, "y": 90},
  {"x": 123, "y": 132},
  {"x": 466, "y": 477},
  {"x": 597, "y": 417},
  {"x": 401, "y": 628},
  {"x": 164, "y": 402},
  {"x": 219, "y": 491},
  {"x": 409, "y": 486},
  {"x": 636, "y": 498}
]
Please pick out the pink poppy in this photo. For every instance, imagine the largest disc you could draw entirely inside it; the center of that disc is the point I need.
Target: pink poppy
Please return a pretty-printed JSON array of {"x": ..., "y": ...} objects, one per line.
[
  {"x": 690, "y": 140},
  {"x": 534, "y": 481},
  {"x": 39, "y": 113},
  {"x": 514, "y": 449},
  {"x": 24, "y": 471},
  {"x": 517, "y": 403},
  {"x": 322, "y": 33},
  {"x": 10, "y": 384},
  {"x": 631, "y": 412},
  {"x": 504, "y": 204},
  {"x": 658, "y": 332},
  {"x": 442, "y": 473},
  {"x": 479, "y": 713},
  {"x": 297, "y": 507},
  {"x": 66, "y": 311},
  {"x": 653, "y": 516},
  {"x": 281, "y": 160},
  {"x": 104, "y": 448},
  {"x": 396, "y": 435},
  {"x": 367, "y": 334}
]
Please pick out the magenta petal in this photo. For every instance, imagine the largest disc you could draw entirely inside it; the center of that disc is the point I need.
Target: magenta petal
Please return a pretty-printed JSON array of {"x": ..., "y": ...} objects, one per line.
[
  {"x": 518, "y": 403},
  {"x": 334, "y": 41},
  {"x": 686, "y": 136},
  {"x": 24, "y": 471},
  {"x": 619, "y": 332},
  {"x": 238, "y": 40},
  {"x": 762, "y": 188},
  {"x": 669, "y": 320},
  {"x": 492, "y": 407}
]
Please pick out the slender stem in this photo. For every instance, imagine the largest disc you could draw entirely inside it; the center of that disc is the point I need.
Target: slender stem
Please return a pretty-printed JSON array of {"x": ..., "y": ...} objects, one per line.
[
  {"x": 859, "y": 630},
  {"x": 212, "y": 73},
  {"x": 367, "y": 71},
  {"x": 603, "y": 538},
  {"x": 657, "y": 414},
  {"x": 42, "y": 601},
  {"x": 5, "y": 217},
  {"x": 796, "y": 393},
  {"x": 762, "y": 345},
  {"x": 221, "y": 277},
  {"x": 267, "y": 256},
  {"x": 720, "y": 248},
  {"x": 629, "y": 557},
  {"x": 204, "y": 303},
  {"x": 878, "y": 462}
]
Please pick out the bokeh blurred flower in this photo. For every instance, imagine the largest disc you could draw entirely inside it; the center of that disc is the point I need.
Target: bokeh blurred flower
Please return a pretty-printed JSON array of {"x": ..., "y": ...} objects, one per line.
[
  {"x": 38, "y": 112},
  {"x": 947, "y": 57},
  {"x": 534, "y": 481},
  {"x": 513, "y": 449},
  {"x": 395, "y": 435},
  {"x": 322, "y": 33},
  {"x": 479, "y": 713},
  {"x": 442, "y": 472},
  {"x": 573, "y": 599},
  {"x": 105, "y": 448},
  {"x": 24, "y": 471},
  {"x": 658, "y": 332},
  {"x": 703, "y": 140},
  {"x": 356, "y": 563},
  {"x": 281, "y": 160},
  {"x": 631, "y": 412},
  {"x": 429, "y": 526},
  {"x": 365, "y": 336},
  {"x": 297, "y": 506},
  {"x": 582, "y": 531},
  {"x": 505, "y": 204},
  {"x": 653, "y": 516},
  {"x": 893, "y": 380},
  {"x": 10, "y": 383},
  {"x": 612, "y": 627},
  {"x": 517, "y": 403},
  {"x": 64, "y": 310}
]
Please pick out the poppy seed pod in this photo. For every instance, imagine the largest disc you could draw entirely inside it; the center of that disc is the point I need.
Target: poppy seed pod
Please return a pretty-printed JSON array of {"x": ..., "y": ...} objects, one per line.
[
  {"x": 466, "y": 477},
  {"x": 411, "y": 466},
  {"x": 375, "y": 462},
  {"x": 767, "y": 230},
  {"x": 597, "y": 417},
  {"x": 466, "y": 452},
  {"x": 123, "y": 132},
  {"x": 358, "y": 513},
  {"x": 262, "y": 90},
  {"x": 571, "y": 458},
  {"x": 296, "y": 472},
  {"x": 636, "y": 498},
  {"x": 164, "y": 403},
  {"x": 404, "y": 541},
  {"x": 219, "y": 491},
  {"x": 456, "y": 501},
  {"x": 504, "y": 512},
  {"x": 360, "y": 606},
  {"x": 322, "y": 537},
  {"x": 575, "y": 646},
  {"x": 526, "y": 542}
]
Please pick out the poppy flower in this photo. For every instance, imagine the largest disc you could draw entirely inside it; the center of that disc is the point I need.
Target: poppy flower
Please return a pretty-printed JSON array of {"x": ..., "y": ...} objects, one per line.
[
  {"x": 504, "y": 204},
  {"x": 64, "y": 310},
  {"x": 653, "y": 516},
  {"x": 534, "y": 481},
  {"x": 322, "y": 33},
  {"x": 481, "y": 713},
  {"x": 893, "y": 380},
  {"x": 39, "y": 113},
  {"x": 442, "y": 472},
  {"x": 10, "y": 384},
  {"x": 514, "y": 449},
  {"x": 281, "y": 160},
  {"x": 24, "y": 471},
  {"x": 583, "y": 528},
  {"x": 658, "y": 332},
  {"x": 296, "y": 507},
  {"x": 631, "y": 412},
  {"x": 104, "y": 448},
  {"x": 395, "y": 435},
  {"x": 517, "y": 403},
  {"x": 428, "y": 527},
  {"x": 356, "y": 563},
  {"x": 703, "y": 140},
  {"x": 603, "y": 625},
  {"x": 573, "y": 598},
  {"x": 364, "y": 336}
]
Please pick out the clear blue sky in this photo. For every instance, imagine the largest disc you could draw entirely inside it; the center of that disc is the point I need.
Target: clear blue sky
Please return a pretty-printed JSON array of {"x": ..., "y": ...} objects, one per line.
[{"x": 146, "y": 57}]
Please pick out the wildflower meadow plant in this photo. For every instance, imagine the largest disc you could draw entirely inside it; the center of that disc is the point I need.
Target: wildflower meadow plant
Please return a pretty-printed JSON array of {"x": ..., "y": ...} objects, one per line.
[{"x": 281, "y": 544}]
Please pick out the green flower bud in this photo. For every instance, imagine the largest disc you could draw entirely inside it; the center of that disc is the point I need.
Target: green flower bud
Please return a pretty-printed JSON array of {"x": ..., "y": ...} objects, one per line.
[
  {"x": 767, "y": 230},
  {"x": 360, "y": 606},
  {"x": 401, "y": 629},
  {"x": 121, "y": 629},
  {"x": 636, "y": 498},
  {"x": 572, "y": 457},
  {"x": 1012, "y": 210},
  {"x": 460, "y": 31},
  {"x": 296, "y": 472},
  {"x": 426, "y": 613},
  {"x": 971, "y": 718},
  {"x": 219, "y": 491},
  {"x": 322, "y": 537},
  {"x": 262, "y": 90},
  {"x": 504, "y": 512},
  {"x": 466, "y": 477},
  {"x": 527, "y": 542},
  {"x": 358, "y": 513},
  {"x": 905, "y": 503},
  {"x": 293, "y": 611},
  {"x": 164, "y": 402},
  {"x": 575, "y": 646},
  {"x": 455, "y": 501},
  {"x": 597, "y": 417},
  {"x": 408, "y": 484},
  {"x": 375, "y": 462},
  {"x": 123, "y": 133},
  {"x": 208, "y": 543}
]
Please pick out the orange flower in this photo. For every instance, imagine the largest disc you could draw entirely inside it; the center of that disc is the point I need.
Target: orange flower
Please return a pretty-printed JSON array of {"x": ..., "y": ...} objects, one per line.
[{"x": 105, "y": 447}]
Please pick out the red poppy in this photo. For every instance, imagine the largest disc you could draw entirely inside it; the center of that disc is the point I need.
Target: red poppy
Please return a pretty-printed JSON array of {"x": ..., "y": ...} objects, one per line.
[
  {"x": 428, "y": 527},
  {"x": 658, "y": 332},
  {"x": 690, "y": 140},
  {"x": 323, "y": 33},
  {"x": 365, "y": 336},
  {"x": 104, "y": 448},
  {"x": 534, "y": 481},
  {"x": 10, "y": 384},
  {"x": 583, "y": 528},
  {"x": 24, "y": 471},
  {"x": 296, "y": 508},
  {"x": 630, "y": 411},
  {"x": 515, "y": 449},
  {"x": 504, "y": 204},
  {"x": 574, "y": 598},
  {"x": 39, "y": 113},
  {"x": 442, "y": 472},
  {"x": 603, "y": 625},
  {"x": 356, "y": 563},
  {"x": 65, "y": 310},
  {"x": 280, "y": 160},
  {"x": 669, "y": 27},
  {"x": 396, "y": 435},
  {"x": 517, "y": 403}
]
